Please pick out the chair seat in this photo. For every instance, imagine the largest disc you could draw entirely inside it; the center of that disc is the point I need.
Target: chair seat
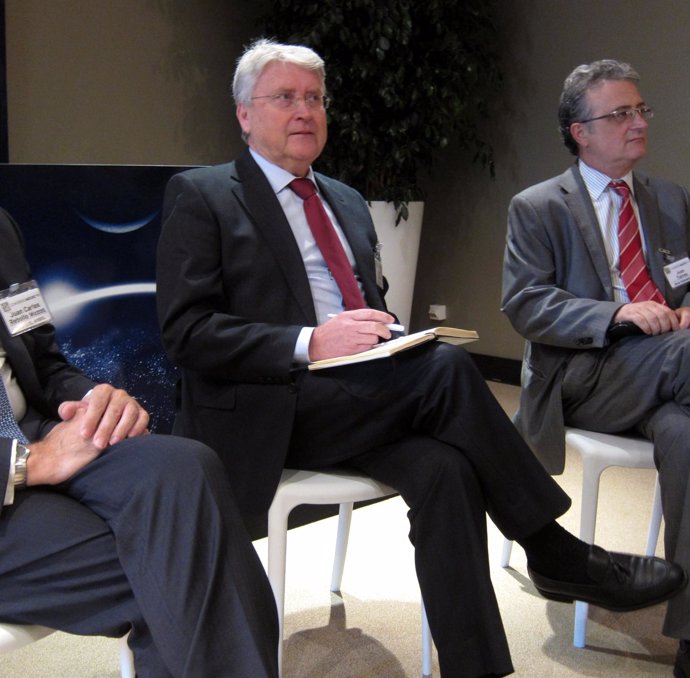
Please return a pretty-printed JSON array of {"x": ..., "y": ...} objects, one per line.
[
  {"x": 14, "y": 636},
  {"x": 331, "y": 487},
  {"x": 629, "y": 451}
]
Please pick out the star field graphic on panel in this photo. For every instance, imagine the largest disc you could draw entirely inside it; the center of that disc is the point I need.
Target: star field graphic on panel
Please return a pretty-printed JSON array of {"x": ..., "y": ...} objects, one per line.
[{"x": 91, "y": 235}]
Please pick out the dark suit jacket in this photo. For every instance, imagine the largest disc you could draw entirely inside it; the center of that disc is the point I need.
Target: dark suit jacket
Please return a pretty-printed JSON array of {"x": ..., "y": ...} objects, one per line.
[
  {"x": 557, "y": 288},
  {"x": 43, "y": 373},
  {"x": 233, "y": 295}
]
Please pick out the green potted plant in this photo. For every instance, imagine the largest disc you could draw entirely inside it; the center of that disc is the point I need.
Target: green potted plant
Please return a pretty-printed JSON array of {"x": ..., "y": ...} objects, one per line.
[{"x": 406, "y": 78}]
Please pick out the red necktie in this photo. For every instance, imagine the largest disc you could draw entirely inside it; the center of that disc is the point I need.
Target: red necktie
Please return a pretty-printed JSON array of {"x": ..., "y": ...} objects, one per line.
[
  {"x": 632, "y": 265},
  {"x": 329, "y": 244}
]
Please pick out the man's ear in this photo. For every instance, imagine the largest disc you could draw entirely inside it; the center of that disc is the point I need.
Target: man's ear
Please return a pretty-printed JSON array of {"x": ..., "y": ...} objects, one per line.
[
  {"x": 243, "y": 117},
  {"x": 578, "y": 131}
]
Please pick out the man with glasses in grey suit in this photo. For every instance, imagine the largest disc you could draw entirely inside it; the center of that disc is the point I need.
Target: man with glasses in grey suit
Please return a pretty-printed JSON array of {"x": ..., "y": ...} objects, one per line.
[{"x": 596, "y": 278}]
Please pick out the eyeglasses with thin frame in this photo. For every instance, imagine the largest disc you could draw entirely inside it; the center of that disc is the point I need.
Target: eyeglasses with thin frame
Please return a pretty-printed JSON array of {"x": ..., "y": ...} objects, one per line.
[
  {"x": 625, "y": 115},
  {"x": 289, "y": 101}
]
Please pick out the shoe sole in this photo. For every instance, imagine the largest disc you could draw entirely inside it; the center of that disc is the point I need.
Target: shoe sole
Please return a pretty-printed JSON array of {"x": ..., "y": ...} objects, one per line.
[{"x": 560, "y": 598}]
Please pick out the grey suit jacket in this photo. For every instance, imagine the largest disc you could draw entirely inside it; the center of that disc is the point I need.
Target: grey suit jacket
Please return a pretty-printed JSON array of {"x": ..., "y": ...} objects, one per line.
[
  {"x": 557, "y": 288},
  {"x": 233, "y": 295}
]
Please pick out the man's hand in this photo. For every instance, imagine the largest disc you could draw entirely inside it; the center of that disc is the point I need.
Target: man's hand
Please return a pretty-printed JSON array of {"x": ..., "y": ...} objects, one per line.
[
  {"x": 653, "y": 318},
  {"x": 60, "y": 454},
  {"x": 110, "y": 415},
  {"x": 683, "y": 315},
  {"x": 349, "y": 332}
]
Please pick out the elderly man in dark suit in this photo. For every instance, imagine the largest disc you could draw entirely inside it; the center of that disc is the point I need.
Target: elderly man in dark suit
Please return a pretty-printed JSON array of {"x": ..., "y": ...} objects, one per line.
[
  {"x": 587, "y": 259},
  {"x": 105, "y": 529},
  {"x": 249, "y": 293}
]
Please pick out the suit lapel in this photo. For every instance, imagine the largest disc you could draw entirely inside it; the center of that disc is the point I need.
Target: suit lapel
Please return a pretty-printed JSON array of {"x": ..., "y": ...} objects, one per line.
[
  {"x": 577, "y": 199},
  {"x": 22, "y": 365},
  {"x": 18, "y": 348},
  {"x": 648, "y": 207},
  {"x": 258, "y": 198},
  {"x": 356, "y": 236}
]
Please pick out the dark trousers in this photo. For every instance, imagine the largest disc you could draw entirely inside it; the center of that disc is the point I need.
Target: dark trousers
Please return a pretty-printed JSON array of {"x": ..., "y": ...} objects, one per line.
[
  {"x": 145, "y": 537},
  {"x": 426, "y": 423}
]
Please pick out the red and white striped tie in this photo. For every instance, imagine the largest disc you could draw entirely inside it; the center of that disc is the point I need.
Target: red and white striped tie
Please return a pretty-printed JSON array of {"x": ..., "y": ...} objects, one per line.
[{"x": 632, "y": 265}]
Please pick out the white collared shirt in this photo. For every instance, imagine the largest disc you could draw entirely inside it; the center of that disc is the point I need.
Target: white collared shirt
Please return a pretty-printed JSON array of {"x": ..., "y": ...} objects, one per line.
[
  {"x": 18, "y": 403},
  {"x": 607, "y": 204},
  {"x": 324, "y": 290}
]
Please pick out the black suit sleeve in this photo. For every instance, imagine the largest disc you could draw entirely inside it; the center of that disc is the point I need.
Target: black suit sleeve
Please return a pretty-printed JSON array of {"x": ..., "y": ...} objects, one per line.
[{"x": 226, "y": 307}]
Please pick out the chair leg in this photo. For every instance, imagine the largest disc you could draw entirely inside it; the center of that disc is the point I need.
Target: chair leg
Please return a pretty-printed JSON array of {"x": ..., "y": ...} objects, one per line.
[
  {"x": 344, "y": 521},
  {"x": 580, "y": 624},
  {"x": 506, "y": 552},
  {"x": 277, "y": 548},
  {"x": 655, "y": 521},
  {"x": 426, "y": 645},
  {"x": 591, "y": 474},
  {"x": 126, "y": 659}
]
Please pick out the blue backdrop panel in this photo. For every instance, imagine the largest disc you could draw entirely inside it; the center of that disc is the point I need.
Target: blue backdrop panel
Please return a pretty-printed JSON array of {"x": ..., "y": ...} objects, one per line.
[{"x": 91, "y": 233}]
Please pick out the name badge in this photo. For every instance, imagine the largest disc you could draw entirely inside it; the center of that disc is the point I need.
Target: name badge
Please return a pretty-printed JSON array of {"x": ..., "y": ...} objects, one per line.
[
  {"x": 678, "y": 273},
  {"x": 23, "y": 308},
  {"x": 378, "y": 265}
]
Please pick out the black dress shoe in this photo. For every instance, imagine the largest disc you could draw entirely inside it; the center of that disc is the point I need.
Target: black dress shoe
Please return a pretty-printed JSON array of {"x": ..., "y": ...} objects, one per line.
[
  {"x": 682, "y": 666},
  {"x": 620, "y": 582}
]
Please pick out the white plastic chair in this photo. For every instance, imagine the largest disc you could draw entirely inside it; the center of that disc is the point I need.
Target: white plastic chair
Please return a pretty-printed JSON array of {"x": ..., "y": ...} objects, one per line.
[
  {"x": 598, "y": 451},
  {"x": 14, "y": 636},
  {"x": 314, "y": 487}
]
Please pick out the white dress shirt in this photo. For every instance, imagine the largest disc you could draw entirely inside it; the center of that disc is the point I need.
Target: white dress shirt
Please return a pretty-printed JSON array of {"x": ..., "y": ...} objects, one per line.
[
  {"x": 607, "y": 205},
  {"x": 324, "y": 289},
  {"x": 18, "y": 404}
]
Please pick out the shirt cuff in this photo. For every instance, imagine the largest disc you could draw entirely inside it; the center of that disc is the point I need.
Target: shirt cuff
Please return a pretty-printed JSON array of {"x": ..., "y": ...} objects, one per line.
[
  {"x": 9, "y": 490},
  {"x": 301, "y": 355}
]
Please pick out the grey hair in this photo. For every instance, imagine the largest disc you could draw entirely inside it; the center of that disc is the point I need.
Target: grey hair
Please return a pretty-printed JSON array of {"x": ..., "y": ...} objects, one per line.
[
  {"x": 262, "y": 52},
  {"x": 573, "y": 105}
]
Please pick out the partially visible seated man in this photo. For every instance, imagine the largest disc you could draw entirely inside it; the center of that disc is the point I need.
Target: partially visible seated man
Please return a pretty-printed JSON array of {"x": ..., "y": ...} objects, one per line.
[
  {"x": 106, "y": 529},
  {"x": 595, "y": 278}
]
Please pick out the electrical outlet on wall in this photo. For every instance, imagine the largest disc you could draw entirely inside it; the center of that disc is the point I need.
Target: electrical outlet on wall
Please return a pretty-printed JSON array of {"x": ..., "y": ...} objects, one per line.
[{"x": 437, "y": 312}]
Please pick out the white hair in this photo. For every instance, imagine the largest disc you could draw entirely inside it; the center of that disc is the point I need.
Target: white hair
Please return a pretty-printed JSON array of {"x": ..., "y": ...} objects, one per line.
[{"x": 262, "y": 52}]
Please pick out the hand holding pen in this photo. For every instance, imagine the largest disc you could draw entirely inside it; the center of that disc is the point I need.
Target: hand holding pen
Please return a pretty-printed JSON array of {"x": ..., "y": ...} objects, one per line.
[
  {"x": 351, "y": 332},
  {"x": 396, "y": 330}
]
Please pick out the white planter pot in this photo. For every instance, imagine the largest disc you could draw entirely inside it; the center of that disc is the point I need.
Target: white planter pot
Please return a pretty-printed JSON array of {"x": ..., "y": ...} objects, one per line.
[{"x": 399, "y": 250}]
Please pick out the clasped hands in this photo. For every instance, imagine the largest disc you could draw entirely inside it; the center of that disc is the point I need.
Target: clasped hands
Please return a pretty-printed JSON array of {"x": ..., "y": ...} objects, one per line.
[
  {"x": 104, "y": 417},
  {"x": 349, "y": 332},
  {"x": 654, "y": 318}
]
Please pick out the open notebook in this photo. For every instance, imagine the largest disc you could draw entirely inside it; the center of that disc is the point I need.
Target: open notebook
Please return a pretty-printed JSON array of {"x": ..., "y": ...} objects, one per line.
[{"x": 451, "y": 335}]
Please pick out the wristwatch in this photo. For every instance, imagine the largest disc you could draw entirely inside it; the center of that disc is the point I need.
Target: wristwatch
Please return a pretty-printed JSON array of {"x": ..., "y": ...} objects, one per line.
[{"x": 22, "y": 456}]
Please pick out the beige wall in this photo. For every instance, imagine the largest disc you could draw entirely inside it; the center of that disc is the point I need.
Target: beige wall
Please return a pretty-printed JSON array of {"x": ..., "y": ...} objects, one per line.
[
  {"x": 147, "y": 81},
  {"x": 123, "y": 81}
]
